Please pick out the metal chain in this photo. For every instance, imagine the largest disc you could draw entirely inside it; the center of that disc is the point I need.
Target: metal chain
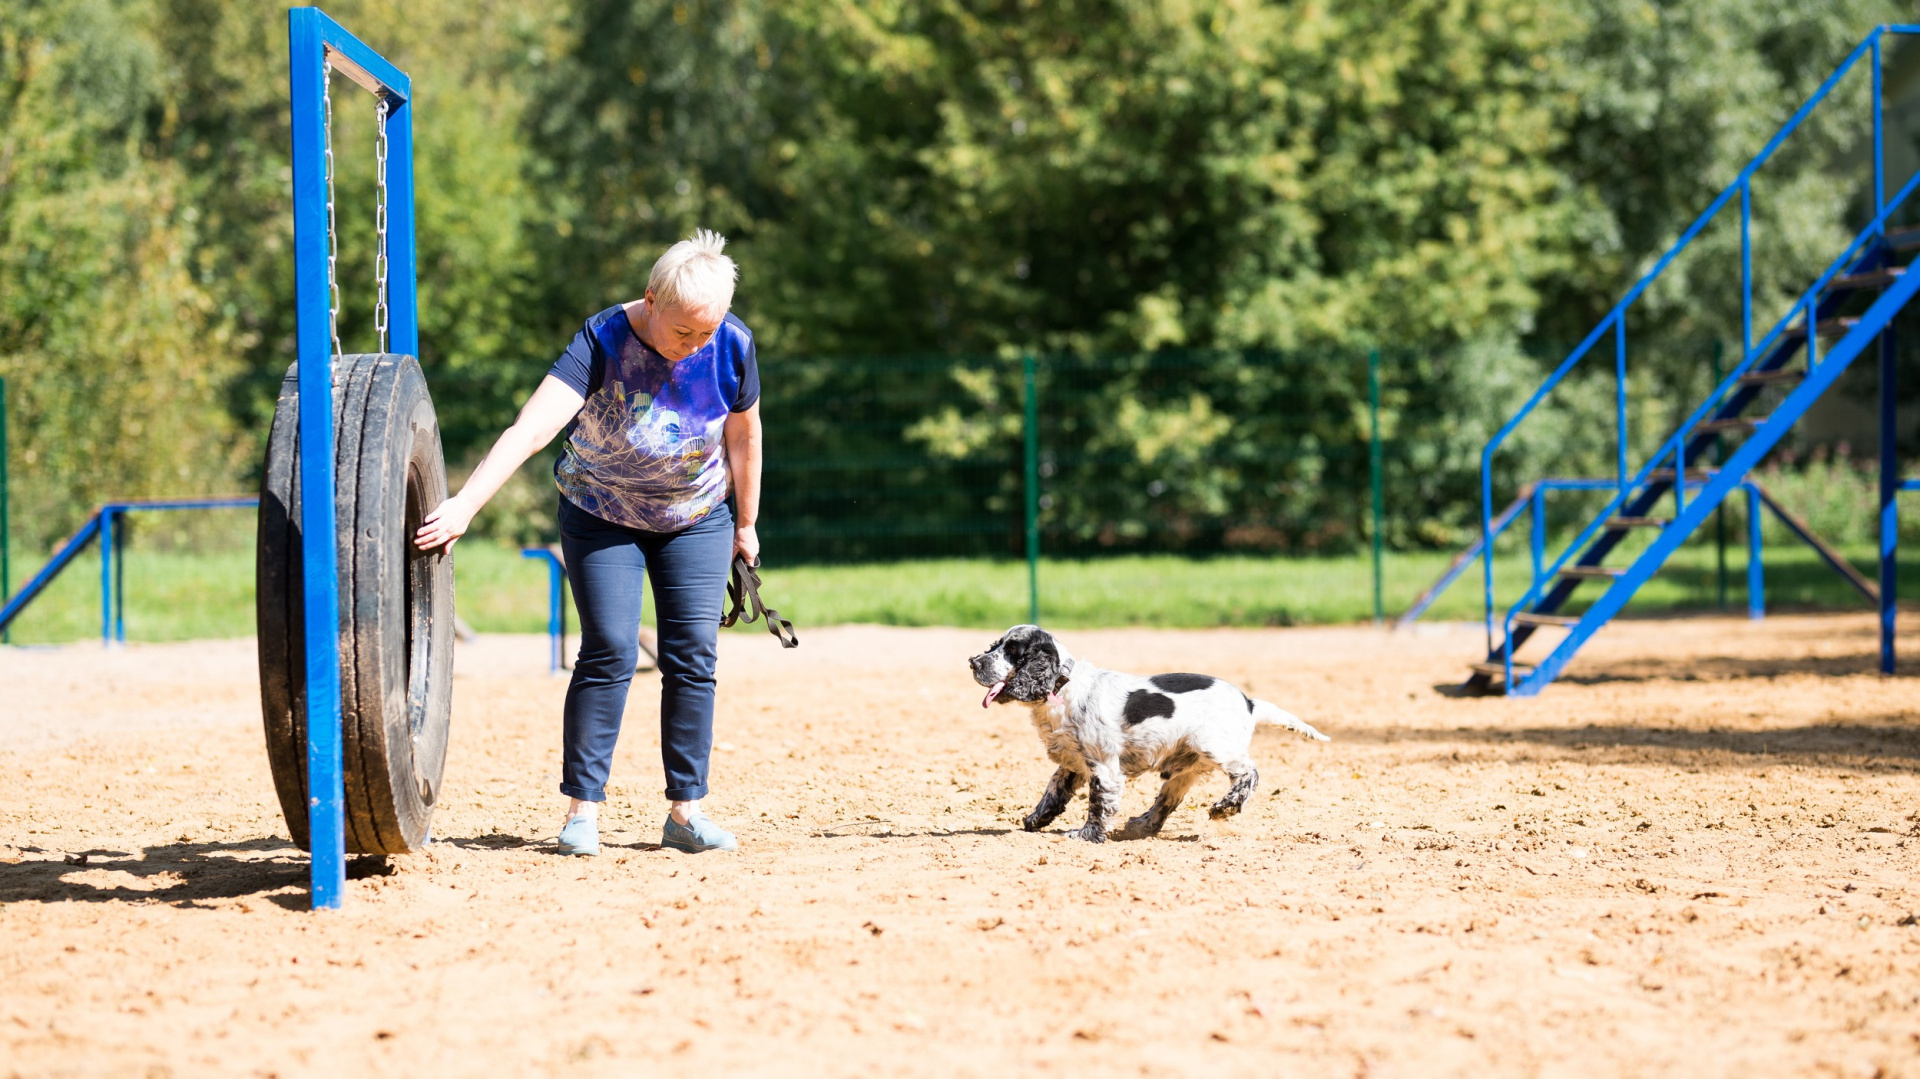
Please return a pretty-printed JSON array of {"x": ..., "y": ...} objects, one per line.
[
  {"x": 380, "y": 223},
  {"x": 333, "y": 243}
]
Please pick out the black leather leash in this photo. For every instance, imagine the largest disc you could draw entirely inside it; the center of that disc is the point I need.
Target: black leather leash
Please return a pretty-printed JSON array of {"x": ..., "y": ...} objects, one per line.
[{"x": 743, "y": 592}]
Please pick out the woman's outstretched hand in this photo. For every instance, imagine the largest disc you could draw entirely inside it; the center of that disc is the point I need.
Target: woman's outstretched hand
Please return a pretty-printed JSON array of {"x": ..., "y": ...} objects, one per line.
[
  {"x": 747, "y": 542},
  {"x": 445, "y": 525}
]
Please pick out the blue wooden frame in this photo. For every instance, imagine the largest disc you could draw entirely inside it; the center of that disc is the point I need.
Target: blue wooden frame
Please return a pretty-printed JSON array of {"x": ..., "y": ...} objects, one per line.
[{"x": 313, "y": 39}]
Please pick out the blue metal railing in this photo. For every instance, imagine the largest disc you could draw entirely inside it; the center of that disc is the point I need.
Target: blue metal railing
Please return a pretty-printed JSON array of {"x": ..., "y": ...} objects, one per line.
[
  {"x": 556, "y": 604},
  {"x": 104, "y": 525},
  {"x": 1805, "y": 310}
]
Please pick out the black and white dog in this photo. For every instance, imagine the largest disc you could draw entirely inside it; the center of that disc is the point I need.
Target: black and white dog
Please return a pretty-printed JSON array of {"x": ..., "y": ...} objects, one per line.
[{"x": 1103, "y": 727}]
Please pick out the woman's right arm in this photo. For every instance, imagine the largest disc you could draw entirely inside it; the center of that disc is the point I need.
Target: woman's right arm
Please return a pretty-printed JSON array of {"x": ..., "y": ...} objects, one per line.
[{"x": 553, "y": 405}]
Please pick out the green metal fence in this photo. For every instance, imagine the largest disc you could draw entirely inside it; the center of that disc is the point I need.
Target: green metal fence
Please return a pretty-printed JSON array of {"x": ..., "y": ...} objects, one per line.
[{"x": 1192, "y": 452}]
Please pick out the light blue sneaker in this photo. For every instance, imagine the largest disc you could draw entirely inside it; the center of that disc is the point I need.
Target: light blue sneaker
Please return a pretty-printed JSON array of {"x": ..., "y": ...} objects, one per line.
[
  {"x": 698, "y": 835},
  {"x": 580, "y": 836}
]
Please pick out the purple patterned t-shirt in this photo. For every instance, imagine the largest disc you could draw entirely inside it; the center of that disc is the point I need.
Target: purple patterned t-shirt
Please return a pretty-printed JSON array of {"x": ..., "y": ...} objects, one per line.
[{"x": 646, "y": 449}]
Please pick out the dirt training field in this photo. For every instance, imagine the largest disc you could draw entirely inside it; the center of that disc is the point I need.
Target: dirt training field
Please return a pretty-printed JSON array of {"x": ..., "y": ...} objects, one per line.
[{"x": 1692, "y": 856}]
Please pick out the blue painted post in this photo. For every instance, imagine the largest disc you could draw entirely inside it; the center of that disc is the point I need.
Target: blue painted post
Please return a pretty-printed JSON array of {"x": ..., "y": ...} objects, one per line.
[
  {"x": 1889, "y": 497},
  {"x": 403, "y": 310},
  {"x": 1620, "y": 392},
  {"x": 320, "y": 580},
  {"x": 557, "y": 613},
  {"x": 1879, "y": 142},
  {"x": 1538, "y": 530},
  {"x": 1756, "y": 572},
  {"x": 120, "y": 578},
  {"x": 1746, "y": 270},
  {"x": 556, "y": 606},
  {"x": 106, "y": 576}
]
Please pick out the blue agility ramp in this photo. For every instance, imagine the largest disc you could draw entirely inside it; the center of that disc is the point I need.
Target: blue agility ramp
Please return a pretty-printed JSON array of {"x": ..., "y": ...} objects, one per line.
[{"x": 1852, "y": 304}]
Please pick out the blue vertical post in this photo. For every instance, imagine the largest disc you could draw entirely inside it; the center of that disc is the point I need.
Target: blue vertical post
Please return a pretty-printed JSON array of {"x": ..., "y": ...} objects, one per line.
[
  {"x": 1889, "y": 498},
  {"x": 1879, "y": 141},
  {"x": 557, "y": 613},
  {"x": 1756, "y": 572},
  {"x": 106, "y": 575},
  {"x": 403, "y": 310},
  {"x": 1620, "y": 393},
  {"x": 320, "y": 580},
  {"x": 1746, "y": 269},
  {"x": 120, "y": 578},
  {"x": 1537, "y": 507}
]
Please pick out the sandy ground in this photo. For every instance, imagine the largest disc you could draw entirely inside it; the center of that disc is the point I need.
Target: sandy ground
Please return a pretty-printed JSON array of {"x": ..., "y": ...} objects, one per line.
[{"x": 1693, "y": 856}]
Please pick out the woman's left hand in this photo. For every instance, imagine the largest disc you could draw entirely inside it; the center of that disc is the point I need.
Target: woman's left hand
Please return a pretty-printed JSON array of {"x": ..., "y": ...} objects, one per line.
[{"x": 747, "y": 542}]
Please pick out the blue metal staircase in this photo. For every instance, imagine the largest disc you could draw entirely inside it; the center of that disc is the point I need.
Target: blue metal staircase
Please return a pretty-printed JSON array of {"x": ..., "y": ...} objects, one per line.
[{"x": 1851, "y": 304}]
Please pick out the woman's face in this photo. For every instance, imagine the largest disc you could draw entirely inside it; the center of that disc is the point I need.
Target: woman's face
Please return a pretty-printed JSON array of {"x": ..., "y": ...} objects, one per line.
[{"x": 676, "y": 333}]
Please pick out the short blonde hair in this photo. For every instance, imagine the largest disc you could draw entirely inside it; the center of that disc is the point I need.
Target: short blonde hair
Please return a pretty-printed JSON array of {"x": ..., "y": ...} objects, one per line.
[{"x": 694, "y": 275}]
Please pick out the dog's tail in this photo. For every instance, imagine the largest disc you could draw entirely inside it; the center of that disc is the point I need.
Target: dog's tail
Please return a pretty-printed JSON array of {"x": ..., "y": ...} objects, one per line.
[{"x": 1268, "y": 712}]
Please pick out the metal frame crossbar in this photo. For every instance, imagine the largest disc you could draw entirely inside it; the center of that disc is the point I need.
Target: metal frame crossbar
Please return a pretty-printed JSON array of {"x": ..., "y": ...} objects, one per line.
[
  {"x": 318, "y": 47},
  {"x": 1866, "y": 266}
]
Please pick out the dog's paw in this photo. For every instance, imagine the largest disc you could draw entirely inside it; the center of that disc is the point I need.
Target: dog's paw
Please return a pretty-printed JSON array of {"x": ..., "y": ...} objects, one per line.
[
  {"x": 1033, "y": 822},
  {"x": 1222, "y": 812},
  {"x": 1089, "y": 833}
]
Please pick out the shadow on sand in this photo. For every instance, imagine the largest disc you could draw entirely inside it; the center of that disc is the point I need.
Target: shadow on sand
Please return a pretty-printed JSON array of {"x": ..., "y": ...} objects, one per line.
[
  {"x": 1886, "y": 740},
  {"x": 178, "y": 874}
]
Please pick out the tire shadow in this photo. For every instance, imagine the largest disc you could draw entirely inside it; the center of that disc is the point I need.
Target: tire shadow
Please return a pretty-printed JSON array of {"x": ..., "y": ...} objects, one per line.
[{"x": 177, "y": 874}]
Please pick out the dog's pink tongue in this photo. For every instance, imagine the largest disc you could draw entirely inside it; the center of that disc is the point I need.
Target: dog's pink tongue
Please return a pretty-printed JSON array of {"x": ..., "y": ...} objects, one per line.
[{"x": 994, "y": 692}]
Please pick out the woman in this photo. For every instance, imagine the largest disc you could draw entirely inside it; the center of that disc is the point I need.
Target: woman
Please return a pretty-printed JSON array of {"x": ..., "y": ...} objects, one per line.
[{"x": 663, "y": 397}]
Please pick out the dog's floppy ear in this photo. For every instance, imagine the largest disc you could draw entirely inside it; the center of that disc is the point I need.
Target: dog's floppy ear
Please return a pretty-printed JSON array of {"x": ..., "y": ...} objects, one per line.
[{"x": 1040, "y": 671}]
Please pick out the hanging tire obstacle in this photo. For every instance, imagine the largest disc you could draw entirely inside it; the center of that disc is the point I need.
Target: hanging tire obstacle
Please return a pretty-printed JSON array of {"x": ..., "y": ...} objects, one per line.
[{"x": 396, "y": 605}]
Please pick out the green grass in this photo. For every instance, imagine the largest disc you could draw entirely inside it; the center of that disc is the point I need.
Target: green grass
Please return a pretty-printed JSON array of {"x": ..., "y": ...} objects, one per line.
[{"x": 175, "y": 595}]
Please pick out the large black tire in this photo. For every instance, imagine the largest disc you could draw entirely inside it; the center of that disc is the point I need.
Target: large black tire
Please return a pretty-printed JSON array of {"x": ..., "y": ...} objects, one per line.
[{"x": 396, "y": 605}]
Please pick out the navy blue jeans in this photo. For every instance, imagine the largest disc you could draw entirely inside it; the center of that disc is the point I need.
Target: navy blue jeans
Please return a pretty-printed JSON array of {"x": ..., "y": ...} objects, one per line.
[{"x": 608, "y": 565}]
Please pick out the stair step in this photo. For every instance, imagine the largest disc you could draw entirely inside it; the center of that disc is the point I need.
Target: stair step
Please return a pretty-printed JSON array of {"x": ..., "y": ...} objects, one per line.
[
  {"x": 1694, "y": 475},
  {"x": 1593, "y": 571},
  {"x": 1729, "y": 423},
  {"x": 1828, "y": 327},
  {"x": 1617, "y": 524},
  {"x": 1904, "y": 239},
  {"x": 1534, "y": 618},
  {"x": 1764, "y": 378},
  {"x": 1869, "y": 279},
  {"x": 1499, "y": 670}
]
